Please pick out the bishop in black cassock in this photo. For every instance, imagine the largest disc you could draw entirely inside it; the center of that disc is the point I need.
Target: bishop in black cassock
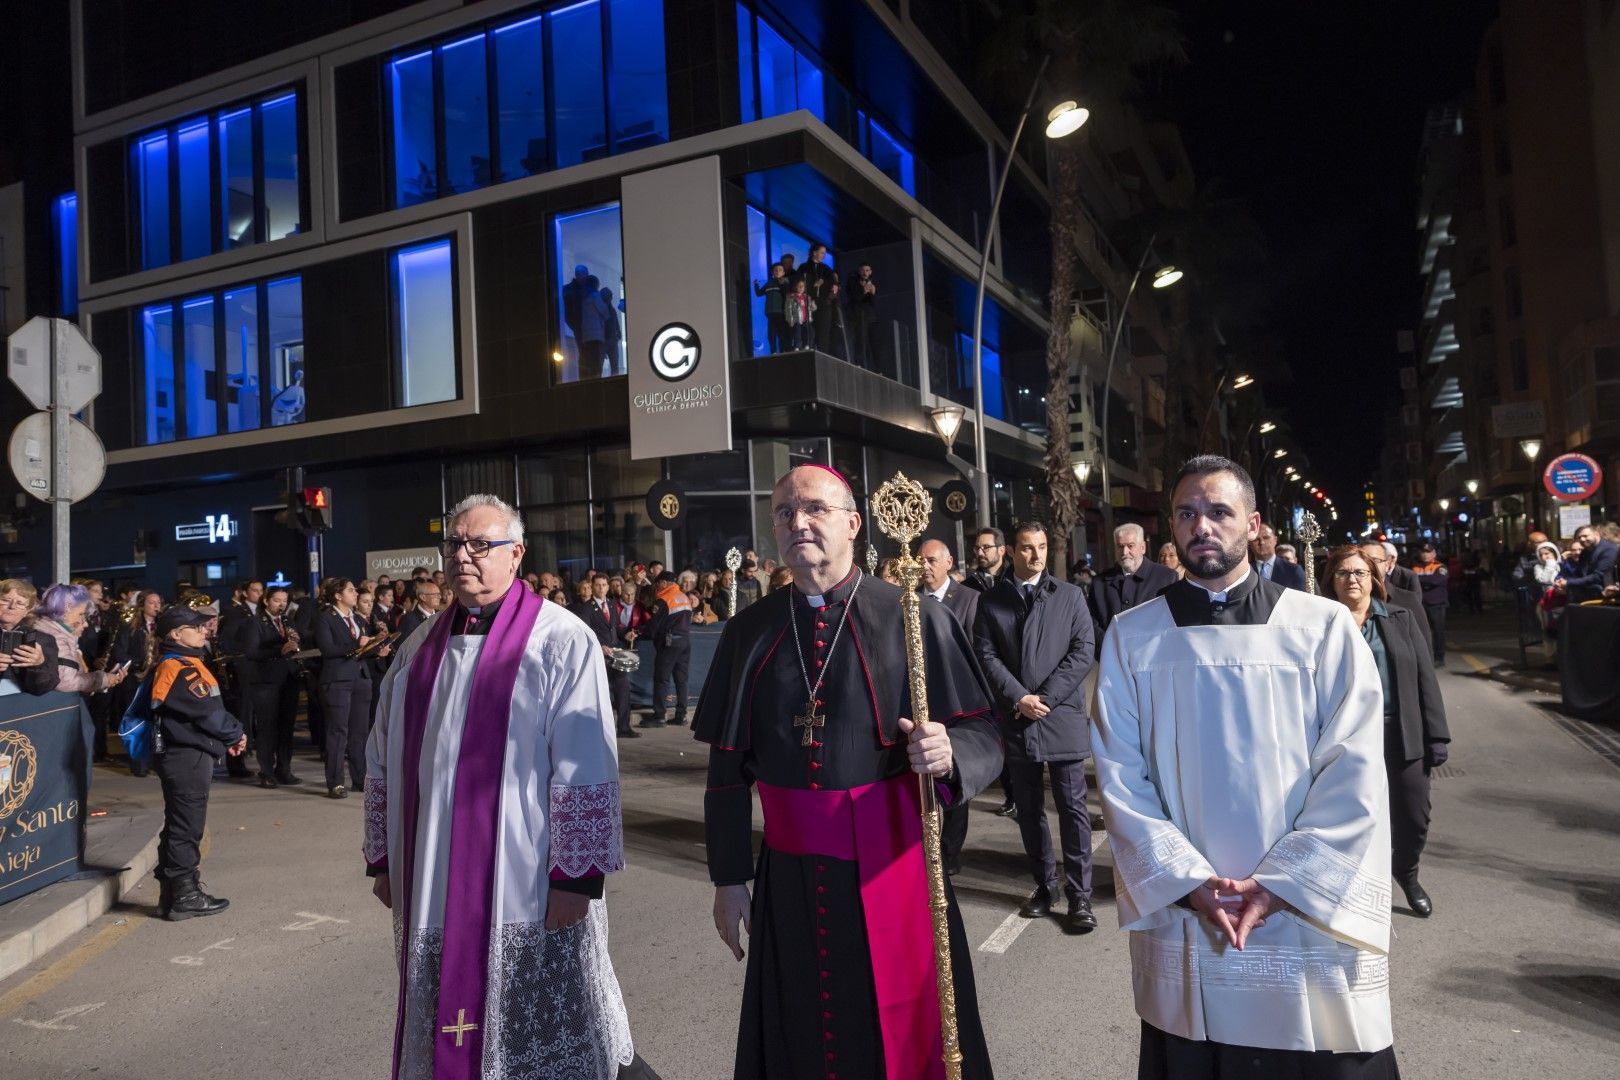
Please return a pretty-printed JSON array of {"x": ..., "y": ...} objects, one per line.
[{"x": 841, "y": 976}]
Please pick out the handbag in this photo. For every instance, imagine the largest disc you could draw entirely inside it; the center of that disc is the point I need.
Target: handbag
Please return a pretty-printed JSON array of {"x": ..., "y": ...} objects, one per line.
[{"x": 137, "y": 728}]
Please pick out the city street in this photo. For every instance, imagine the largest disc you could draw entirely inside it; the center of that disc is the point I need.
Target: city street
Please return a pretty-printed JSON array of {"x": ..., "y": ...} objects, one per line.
[{"x": 1515, "y": 976}]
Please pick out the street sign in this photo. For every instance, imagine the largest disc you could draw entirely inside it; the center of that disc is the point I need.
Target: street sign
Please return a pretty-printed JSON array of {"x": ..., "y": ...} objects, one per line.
[
  {"x": 30, "y": 454},
  {"x": 28, "y": 362},
  {"x": 1572, "y": 477}
]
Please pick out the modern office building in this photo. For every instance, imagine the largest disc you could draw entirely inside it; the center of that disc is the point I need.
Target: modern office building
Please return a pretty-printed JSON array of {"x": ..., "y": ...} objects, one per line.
[{"x": 343, "y": 235}]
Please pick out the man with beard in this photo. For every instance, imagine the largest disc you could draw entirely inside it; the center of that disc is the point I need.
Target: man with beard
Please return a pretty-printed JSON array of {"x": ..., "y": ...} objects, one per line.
[
  {"x": 808, "y": 700},
  {"x": 989, "y": 559},
  {"x": 1240, "y": 759}
]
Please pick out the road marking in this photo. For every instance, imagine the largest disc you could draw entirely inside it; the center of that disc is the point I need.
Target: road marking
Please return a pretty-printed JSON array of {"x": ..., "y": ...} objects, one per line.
[
  {"x": 1473, "y": 662},
  {"x": 311, "y": 920},
  {"x": 47, "y": 979},
  {"x": 55, "y": 1022},
  {"x": 1006, "y": 933},
  {"x": 197, "y": 961}
]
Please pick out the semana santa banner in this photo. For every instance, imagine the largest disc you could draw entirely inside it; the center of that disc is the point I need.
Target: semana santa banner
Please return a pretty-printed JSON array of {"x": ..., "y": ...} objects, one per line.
[{"x": 44, "y": 779}]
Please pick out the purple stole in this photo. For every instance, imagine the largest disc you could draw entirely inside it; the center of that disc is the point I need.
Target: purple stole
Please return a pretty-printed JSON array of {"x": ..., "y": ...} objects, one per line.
[{"x": 458, "y": 1036}]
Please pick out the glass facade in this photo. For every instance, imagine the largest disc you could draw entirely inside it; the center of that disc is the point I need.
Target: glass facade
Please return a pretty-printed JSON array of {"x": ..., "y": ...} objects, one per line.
[
  {"x": 219, "y": 181},
  {"x": 527, "y": 95},
  {"x": 590, "y": 260},
  {"x": 768, "y": 240},
  {"x": 425, "y": 312},
  {"x": 206, "y": 379},
  {"x": 65, "y": 224}
]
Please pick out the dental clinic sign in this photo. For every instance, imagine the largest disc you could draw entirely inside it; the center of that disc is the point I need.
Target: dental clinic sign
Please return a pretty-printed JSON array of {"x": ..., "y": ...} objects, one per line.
[
  {"x": 680, "y": 381},
  {"x": 215, "y": 528}
]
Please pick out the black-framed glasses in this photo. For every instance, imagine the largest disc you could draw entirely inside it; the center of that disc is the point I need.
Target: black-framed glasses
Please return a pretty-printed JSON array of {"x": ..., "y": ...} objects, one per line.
[{"x": 476, "y": 546}]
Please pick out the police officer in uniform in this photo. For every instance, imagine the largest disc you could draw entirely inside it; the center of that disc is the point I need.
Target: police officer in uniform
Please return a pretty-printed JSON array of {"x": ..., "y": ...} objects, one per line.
[{"x": 192, "y": 731}]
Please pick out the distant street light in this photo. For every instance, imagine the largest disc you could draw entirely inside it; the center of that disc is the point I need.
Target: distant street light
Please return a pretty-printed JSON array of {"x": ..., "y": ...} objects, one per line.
[
  {"x": 1166, "y": 276},
  {"x": 1242, "y": 382},
  {"x": 1280, "y": 454},
  {"x": 1531, "y": 448},
  {"x": 1472, "y": 486},
  {"x": 1445, "y": 504},
  {"x": 1267, "y": 428},
  {"x": 1065, "y": 118}
]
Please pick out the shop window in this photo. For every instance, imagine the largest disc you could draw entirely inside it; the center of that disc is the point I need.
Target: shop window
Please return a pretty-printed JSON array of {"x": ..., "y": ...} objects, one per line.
[
  {"x": 242, "y": 384},
  {"x": 201, "y": 370},
  {"x": 424, "y": 304},
  {"x": 559, "y": 538},
  {"x": 615, "y": 473},
  {"x": 625, "y": 534},
  {"x": 284, "y": 332},
  {"x": 65, "y": 222},
  {"x": 590, "y": 260},
  {"x": 157, "y": 341},
  {"x": 520, "y": 91},
  {"x": 152, "y": 198}
]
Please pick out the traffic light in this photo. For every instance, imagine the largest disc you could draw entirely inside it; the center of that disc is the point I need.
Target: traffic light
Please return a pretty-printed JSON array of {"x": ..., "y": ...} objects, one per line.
[{"x": 317, "y": 515}]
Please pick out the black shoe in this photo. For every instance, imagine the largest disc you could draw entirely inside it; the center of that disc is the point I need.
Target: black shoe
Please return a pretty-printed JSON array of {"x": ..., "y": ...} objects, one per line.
[
  {"x": 678, "y": 722},
  {"x": 285, "y": 776},
  {"x": 1080, "y": 919},
  {"x": 1007, "y": 810},
  {"x": 266, "y": 780},
  {"x": 1417, "y": 899},
  {"x": 139, "y": 770},
  {"x": 188, "y": 901},
  {"x": 1039, "y": 904},
  {"x": 654, "y": 722},
  {"x": 629, "y": 733},
  {"x": 339, "y": 792},
  {"x": 953, "y": 868}
]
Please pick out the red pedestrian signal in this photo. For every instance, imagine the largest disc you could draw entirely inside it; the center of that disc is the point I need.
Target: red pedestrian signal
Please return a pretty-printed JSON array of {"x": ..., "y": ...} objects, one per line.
[{"x": 318, "y": 498}]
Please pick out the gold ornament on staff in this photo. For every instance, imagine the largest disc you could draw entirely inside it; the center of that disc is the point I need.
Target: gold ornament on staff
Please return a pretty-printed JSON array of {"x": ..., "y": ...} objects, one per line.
[
  {"x": 733, "y": 563},
  {"x": 1310, "y": 532},
  {"x": 871, "y": 557},
  {"x": 901, "y": 507}
]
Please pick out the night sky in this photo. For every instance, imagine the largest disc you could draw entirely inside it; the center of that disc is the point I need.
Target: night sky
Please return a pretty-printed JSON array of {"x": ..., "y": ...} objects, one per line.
[{"x": 1311, "y": 114}]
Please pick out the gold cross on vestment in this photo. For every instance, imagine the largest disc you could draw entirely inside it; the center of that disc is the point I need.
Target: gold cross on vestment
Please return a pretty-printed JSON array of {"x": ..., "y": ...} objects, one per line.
[
  {"x": 809, "y": 720},
  {"x": 460, "y": 1027}
]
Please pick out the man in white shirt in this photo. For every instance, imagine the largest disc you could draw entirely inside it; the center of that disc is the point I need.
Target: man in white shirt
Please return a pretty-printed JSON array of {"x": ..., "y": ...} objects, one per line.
[{"x": 1270, "y": 565}]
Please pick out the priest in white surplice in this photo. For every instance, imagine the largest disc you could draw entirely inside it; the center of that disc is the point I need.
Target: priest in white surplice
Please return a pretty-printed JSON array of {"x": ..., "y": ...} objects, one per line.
[
  {"x": 1239, "y": 749},
  {"x": 492, "y": 816}
]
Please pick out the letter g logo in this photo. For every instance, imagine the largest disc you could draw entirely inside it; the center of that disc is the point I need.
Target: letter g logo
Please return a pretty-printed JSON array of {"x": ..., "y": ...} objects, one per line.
[{"x": 675, "y": 351}]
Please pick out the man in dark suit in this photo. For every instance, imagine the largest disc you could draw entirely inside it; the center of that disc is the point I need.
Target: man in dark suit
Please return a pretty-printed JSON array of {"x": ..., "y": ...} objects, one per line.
[
  {"x": 1034, "y": 638},
  {"x": 1594, "y": 560},
  {"x": 962, "y": 602},
  {"x": 1130, "y": 581},
  {"x": 989, "y": 559},
  {"x": 424, "y": 597},
  {"x": 595, "y": 612},
  {"x": 1269, "y": 566}
]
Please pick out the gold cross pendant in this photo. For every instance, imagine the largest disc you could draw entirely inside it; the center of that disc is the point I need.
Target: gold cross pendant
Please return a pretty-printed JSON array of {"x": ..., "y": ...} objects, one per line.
[
  {"x": 809, "y": 720},
  {"x": 460, "y": 1027}
]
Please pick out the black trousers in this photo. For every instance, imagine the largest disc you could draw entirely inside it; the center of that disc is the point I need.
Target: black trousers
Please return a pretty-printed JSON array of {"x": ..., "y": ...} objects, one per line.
[
  {"x": 670, "y": 662},
  {"x": 316, "y": 709},
  {"x": 1437, "y": 629},
  {"x": 1408, "y": 807},
  {"x": 1074, "y": 823},
  {"x": 776, "y": 332},
  {"x": 862, "y": 321},
  {"x": 953, "y": 835},
  {"x": 822, "y": 321},
  {"x": 274, "y": 708},
  {"x": 619, "y": 692},
  {"x": 100, "y": 706},
  {"x": 186, "y": 774},
  {"x": 347, "y": 704},
  {"x": 1170, "y": 1057}
]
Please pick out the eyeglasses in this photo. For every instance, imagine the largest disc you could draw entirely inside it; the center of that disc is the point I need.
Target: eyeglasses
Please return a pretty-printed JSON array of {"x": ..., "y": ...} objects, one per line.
[
  {"x": 476, "y": 546},
  {"x": 784, "y": 515},
  {"x": 1352, "y": 575},
  {"x": 985, "y": 547}
]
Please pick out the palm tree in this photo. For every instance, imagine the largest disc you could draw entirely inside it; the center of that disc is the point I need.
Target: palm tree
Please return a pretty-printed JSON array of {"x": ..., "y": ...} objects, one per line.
[{"x": 1097, "y": 47}]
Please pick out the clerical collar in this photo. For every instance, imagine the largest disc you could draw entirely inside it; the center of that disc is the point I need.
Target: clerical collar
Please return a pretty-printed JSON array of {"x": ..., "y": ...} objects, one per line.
[
  {"x": 835, "y": 595},
  {"x": 479, "y": 618},
  {"x": 1226, "y": 595}
]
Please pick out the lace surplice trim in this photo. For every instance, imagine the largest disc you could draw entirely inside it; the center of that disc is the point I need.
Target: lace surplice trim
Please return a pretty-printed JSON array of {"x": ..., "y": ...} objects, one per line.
[
  {"x": 587, "y": 831},
  {"x": 1166, "y": 854},
  {"x": 1332, "y": 968},
  {"x": 375, "y": 847},
  {"x": 1332, "y": 875}
]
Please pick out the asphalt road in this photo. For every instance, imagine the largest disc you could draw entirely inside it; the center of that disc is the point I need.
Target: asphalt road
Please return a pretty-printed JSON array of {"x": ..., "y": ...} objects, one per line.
[{"x": 1516, "y": 976}]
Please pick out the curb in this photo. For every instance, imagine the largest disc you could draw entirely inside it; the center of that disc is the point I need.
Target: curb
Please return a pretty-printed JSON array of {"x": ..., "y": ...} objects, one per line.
[{"x": 70, "y": 906}]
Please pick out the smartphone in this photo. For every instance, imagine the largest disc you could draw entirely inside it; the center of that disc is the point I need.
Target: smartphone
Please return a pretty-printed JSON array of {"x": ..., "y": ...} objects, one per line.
[
  {"x": 124, "y": 666},
  {"x": 11, "y": 640}
]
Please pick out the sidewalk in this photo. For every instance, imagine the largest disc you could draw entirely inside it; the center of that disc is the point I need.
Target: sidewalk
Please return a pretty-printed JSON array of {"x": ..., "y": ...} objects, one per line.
[
  {"x": 121, "y": 849},
  {"x": 1489, "y": 645}
]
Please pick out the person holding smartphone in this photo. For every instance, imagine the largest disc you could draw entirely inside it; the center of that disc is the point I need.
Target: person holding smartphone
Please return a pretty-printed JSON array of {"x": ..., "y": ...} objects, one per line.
[
  {"x": 27, "y": 654},
  {"x": 62, "y": 615}
]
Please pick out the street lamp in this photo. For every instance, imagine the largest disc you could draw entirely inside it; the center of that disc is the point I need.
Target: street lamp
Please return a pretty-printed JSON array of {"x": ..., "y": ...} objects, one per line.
[
  {"x": 1064, "y": 119},
  {"x": 1166, "y": 276},
  {"x": 1280, "y": 454},
  {"x": 1267, "y": 428},
  {"x": 947, "y": 421},
  {"x": 1445, "y": 504},
  {"x": 1082, "y": 471},
  {"x": 1472, "y": 486},
  {"x": 1532, "y": 450},
  {"x": 1241, "y": 382}
]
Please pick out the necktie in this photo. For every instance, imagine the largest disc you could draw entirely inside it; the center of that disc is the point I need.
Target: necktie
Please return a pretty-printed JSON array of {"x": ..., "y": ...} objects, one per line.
[
  {"x": 1029, "y": 596},
  {"x": 1265, "y": 570},
  {"x": 277, "y": 622}
]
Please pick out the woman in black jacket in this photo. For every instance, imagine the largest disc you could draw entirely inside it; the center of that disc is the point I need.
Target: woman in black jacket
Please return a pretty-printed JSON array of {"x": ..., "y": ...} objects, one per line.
[
  {"x": 1416, "y": 738},
  {"x": 32, "y": 666},
  {"x": 345, "y": 685},
  {"x": 373, "y": 624}
]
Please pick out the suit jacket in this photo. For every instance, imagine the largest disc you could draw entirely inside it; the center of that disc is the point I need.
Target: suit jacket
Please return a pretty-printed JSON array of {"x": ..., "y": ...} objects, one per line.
[
  {"x": 1412, "y": 601},
  {"x": 260, "y": 644},
  {"x": 1285, "y": 573},
  {"x": 1114, "y": 591},
  {"x": 591, "y": 615},
  {"x": 409, "y": 621},
  {"x": 962, "y": 601},
  {"x": 1403, "y": 578},
  {"x": 336, "y": 641},
  {"x": 1044, "y": 648},
  {"x": 980, "y": 581},
  {"x": 1419, "y": 709}
]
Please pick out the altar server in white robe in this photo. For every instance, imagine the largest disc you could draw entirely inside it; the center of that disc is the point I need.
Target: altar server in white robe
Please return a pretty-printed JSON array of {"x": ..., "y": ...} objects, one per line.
[
  {"x": 492, "y": 816},
  {"x": 1239, "y": 758}
]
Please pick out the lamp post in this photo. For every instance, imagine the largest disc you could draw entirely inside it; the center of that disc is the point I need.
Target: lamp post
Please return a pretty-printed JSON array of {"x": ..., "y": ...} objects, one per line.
[
  {"x": 1532, "y": 450},
  {"x": 1241, "y": 381},
  {"x": 1064, "y": 119}
]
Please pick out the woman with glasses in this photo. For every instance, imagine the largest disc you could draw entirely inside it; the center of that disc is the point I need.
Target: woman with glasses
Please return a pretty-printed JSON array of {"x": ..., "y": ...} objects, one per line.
[
  {"x": 345, "y": 685},
  {"x": 27, "y": 653},
  {"x": 62, "y": 616},
  {"x": 1416, "y": 737}
]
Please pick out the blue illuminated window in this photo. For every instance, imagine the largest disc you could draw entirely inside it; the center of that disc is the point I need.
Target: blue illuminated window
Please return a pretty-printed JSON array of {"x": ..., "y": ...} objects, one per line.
[
  {"x": 205, "y": 359},
  {"x": 65, "y": 220},
  {"x": 787, "y": 79},
  {"x": 425, "y": 306},
  {"x": 526, "y": 96},
  {"x": 769, "y": 240},
  {"x": 885, "y": 151},
  {"x": 590, "y": 264},
  {"x": 219, "y": 181},
  {"x": 990, "y": 363}
]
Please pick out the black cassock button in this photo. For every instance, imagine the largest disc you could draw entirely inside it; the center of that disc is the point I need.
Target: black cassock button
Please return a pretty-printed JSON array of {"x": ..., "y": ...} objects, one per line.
[{"x": 1217, "y": 607}]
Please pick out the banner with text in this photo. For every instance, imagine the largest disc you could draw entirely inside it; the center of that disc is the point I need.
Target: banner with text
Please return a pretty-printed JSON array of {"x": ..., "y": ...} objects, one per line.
[
  {"x": 675, "y": 310},
  {"x": 44, "y": 778},
  {"x": 399, "y": 562}
]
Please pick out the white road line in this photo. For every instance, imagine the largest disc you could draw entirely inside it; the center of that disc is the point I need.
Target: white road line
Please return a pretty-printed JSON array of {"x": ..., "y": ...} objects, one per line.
[{"x": 1006, "y": 933}]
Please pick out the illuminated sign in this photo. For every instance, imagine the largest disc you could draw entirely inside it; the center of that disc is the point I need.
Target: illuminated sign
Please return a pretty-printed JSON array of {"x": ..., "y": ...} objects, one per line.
[{"x": 215, "y": 528}]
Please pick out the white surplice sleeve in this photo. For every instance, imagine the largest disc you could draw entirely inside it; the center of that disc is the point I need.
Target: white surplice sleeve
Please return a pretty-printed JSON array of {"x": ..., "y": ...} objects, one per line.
[
  {"x": 587, "y": 832},
  {"x": 1154, "y": 863},
  {"x": 1334, "y": 864},
  {"x": 390, "y": 713}
]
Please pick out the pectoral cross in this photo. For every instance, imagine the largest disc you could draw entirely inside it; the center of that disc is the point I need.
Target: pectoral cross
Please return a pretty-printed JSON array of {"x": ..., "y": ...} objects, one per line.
[
  {"x": 460, "y": 1027},
  {"x": 809, "y": 720}
]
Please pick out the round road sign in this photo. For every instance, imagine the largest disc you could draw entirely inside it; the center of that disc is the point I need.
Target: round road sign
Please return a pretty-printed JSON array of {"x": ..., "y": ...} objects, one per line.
[
  {"x": 1572, "y": 477},
  {"x": 30, "y": 453}
]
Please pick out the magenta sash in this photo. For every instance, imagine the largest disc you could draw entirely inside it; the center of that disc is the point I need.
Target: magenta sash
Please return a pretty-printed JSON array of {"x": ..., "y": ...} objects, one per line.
[
  {"x": 879, "y": 828},
  {"x": 474, "y": 827}
]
